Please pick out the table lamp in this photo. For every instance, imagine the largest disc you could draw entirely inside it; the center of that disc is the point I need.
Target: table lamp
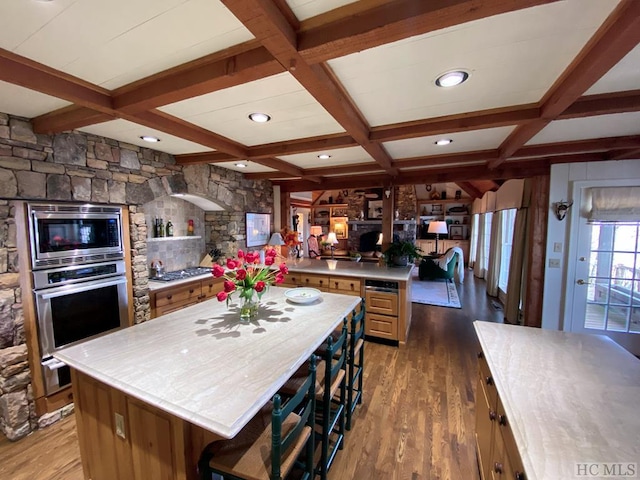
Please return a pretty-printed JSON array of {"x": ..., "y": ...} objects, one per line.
[
  {"x": 276, "y": 239},
  {"x": 332, "y": 240},
  {"x": 437, "y": 228}
]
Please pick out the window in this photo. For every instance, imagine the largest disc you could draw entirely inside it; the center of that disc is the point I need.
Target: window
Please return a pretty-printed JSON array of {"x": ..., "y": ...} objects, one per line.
[{"x": 508, "y": 219}]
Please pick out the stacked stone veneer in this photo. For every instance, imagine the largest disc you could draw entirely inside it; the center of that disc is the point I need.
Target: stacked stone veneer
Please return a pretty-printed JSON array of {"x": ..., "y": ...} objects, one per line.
[{"x": 78, "y": 167}]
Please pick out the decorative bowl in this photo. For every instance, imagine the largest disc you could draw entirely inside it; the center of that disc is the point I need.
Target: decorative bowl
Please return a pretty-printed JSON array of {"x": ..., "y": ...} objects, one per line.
[{"x": 302, "y": 295}]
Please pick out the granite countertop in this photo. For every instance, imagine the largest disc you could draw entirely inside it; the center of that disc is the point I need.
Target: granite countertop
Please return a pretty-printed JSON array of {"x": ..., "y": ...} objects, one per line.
[
  {"x": 569, "y": 398},
  {"x": 154, "y": 285},
  {"x": 200, "y": 364}
]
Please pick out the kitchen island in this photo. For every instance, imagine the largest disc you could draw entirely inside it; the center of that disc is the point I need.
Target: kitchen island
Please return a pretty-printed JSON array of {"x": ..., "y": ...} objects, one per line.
[
  {"x": 555, "y": 405},
  {"x": 388, "y": 312},
  {"x": 150, "y": 397}
]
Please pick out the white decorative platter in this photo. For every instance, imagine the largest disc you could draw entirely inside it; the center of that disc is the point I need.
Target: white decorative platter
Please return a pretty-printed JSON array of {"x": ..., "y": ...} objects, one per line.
[{"x": 302, "y": 295}]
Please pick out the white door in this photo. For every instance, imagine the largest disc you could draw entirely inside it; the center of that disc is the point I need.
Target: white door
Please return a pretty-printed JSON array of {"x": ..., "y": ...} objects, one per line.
[{"x": 606, "y": 291}]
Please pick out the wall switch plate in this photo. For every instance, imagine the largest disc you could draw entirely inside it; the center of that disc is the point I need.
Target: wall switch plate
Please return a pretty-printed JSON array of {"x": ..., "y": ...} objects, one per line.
[
  {"x": 120, "y": 426},
  {"x": 557, "y": 247},
  {"x": 554, "y": 263}
]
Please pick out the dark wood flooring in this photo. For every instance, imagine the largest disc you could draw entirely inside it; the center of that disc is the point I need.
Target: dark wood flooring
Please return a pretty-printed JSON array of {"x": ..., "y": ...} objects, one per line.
[{"x": 416, "y": 423}]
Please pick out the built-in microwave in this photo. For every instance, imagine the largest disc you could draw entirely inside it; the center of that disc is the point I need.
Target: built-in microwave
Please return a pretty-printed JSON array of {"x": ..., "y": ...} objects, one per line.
[{"x": 64, "y": 234}]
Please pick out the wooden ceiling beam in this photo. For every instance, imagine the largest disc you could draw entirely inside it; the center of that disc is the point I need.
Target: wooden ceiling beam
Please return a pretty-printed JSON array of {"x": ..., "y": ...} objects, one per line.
[
  {"x": 188, "y": 131},
  {"x": 603, "y": 104},
  {"x": 497, "y": 117},
  {"x": 304, "y": 145},
  {"x": 69, "y": 118},
  {"x": 579, "y": 146},
  {"x": 234, "y": 66},
  {"x": 631, "y": 154},
  {"x": 287, "y": 168},
  {"x": 472, "y": 191},
  {"x": 267, "y": 23},
  {"x": 21, "y": 71},
  {"x": 204, "y": 157},
  {"x": 357, "y": 28},
  {"x": 619, "y": 34}
]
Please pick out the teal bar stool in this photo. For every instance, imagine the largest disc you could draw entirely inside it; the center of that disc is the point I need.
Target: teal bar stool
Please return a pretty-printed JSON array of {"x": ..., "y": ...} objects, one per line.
[
  {"x": 330, "y": 397},
  {"x": 355, "y": 361},
  {"x": 271, "y": 444}
]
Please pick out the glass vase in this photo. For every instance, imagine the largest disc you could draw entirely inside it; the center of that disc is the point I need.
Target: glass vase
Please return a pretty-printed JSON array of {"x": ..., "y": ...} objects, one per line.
[
  {"x": 249, "y": 306},
  {"x": 293, "y": 253}
]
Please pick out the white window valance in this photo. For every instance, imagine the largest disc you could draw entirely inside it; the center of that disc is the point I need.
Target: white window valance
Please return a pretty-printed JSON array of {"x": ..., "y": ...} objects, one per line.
[{"x": 614, "y": 204}]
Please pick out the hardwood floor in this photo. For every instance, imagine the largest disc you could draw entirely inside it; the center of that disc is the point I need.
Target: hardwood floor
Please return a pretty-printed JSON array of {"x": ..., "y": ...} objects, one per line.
[{"x": 416, "y": 423}]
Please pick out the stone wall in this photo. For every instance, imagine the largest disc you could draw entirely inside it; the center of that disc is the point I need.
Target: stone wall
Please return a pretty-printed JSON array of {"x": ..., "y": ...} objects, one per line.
[{"x": 78, "y": 167}]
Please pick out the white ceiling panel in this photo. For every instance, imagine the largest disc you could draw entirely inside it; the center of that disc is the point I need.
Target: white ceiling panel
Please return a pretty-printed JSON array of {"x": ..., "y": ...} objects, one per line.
[
  {"x": 513, "y": 58},
  {"x": 603, "y": 126},
  {"x": 304, "y": 9},
  {"x": 624, "y": 76},
  {"x": 125, "y": 131},
  {"x": 251, "y": 167},
  {"x": 26, "y": 103},
  {"x": 114, "y": 43},
  {"x": 339, "y": 157},
  {"x": 435, "y": 164},
  {"x": 294, "y": 112},
  {"x": 486, "y": 139}
]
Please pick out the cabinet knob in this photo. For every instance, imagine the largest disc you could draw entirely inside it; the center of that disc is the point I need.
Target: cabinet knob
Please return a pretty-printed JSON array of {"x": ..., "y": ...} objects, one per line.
[
  {"x": 497, "y": 467},
  {"x": 480, "y": 354},
  {"x": 489, "y": 380},
  {"x": 502, "y": 420},
  {"x": 191, "y": 290},
  {"x": 169, "y": 297},
  {"x": 519, "y": 476},
  {"x": 492, "y": 415}
]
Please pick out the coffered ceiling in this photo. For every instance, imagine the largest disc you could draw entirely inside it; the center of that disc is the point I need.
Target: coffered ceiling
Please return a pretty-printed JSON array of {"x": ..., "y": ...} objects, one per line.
[{"x": 549, "y": 82}]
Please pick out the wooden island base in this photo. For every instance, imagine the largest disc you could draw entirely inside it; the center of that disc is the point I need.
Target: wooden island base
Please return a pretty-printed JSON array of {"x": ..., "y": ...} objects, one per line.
[{"x": 123, "y": 437}]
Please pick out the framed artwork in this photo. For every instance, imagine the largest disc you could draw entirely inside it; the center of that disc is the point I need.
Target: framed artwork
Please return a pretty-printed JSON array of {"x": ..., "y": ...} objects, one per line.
[
  {"x": 258, "y": 229},
  {"x": 455, "y": 232},
  {"x": 374, "y": 209},
  {"x": 436, "y": 208}
]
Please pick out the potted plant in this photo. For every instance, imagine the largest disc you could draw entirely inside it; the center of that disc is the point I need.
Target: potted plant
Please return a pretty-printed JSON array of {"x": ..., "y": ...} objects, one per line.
[
  {"x": 355, "y": 256},
  {"x": 399, "y": 254}
]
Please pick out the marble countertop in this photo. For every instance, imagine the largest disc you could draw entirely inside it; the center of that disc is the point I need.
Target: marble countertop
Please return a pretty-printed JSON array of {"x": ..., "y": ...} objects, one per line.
[
  {"x": 155, "y": 285},
  {"x": 352, "y": 269},
  {"x": 569, "y": 398},
  {"x": 200, "y": 364}
]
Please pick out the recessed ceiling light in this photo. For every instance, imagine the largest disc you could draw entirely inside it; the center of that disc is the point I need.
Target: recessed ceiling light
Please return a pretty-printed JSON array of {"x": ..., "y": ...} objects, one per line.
[
  {"x": 241, "y": 165},
  {"x": 149, "y": 138},
  {"x": 259, "y": 117},
  {"x": 443, "y": 141},
  {"x": 452, "y": 78},
  {"x": 324, "y": 156}
]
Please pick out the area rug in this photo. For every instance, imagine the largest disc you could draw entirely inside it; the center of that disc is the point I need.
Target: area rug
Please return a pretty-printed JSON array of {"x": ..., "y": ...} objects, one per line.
[{"x": 436, "y": 292}]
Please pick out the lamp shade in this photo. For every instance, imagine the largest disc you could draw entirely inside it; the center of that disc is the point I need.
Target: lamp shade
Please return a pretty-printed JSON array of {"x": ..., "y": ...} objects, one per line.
[
  {"x": 276, "y": 239},
  {"x": 331, "y": 238},
  {"x": 437, "y": 227},
  {"x": 315, "y": 230},
  {"x": 379, "y": 241}
]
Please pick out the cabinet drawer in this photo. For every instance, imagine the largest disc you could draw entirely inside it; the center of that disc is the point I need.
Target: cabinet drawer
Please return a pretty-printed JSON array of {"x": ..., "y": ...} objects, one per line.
[
  {"x": 382, "y": 302},
  {"x": 345, "y": 285},
  {"x": 487, "y": 382},
  {"x": 315, "y": 281},
  {"x": 381, "y": 326},
  {"x": 178, "y": 295},
  {"x": 511, "y": 455},
  {"x": 210, "y": 287}
]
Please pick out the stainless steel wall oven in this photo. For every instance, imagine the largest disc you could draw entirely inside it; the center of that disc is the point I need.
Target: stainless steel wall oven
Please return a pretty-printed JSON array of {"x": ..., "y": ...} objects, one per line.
[{"x": 79, "y": 279}]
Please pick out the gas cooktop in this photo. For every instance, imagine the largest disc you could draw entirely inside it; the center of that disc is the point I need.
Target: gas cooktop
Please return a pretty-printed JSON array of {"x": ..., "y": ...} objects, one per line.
[{"x": 180, "y": 274}]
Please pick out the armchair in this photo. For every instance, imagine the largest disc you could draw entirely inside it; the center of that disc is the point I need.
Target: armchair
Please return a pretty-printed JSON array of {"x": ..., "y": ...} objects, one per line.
[{"x": 429, "y": 270}]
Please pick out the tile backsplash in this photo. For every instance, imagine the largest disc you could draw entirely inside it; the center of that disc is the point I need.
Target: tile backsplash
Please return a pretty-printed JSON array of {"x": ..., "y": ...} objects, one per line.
[{"x": 176, "y": 253}]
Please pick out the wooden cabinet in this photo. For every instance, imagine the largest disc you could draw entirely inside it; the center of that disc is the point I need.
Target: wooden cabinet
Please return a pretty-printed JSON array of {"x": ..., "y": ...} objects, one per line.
[
  {"x": 457, "y": 214},
  {"x": 335, "y": 284},
  {"x": 495, "y": 446},
  {"x": 382, "y": 315},
  {"x": 175, "y": 297},
  {"x": 429, "y": 246}
]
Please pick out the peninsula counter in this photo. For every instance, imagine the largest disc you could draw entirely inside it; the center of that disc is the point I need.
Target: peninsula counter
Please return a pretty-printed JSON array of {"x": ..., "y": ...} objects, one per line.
[
  {"x": 150, "y": 397},
  {"x": 566, "y": 404}
]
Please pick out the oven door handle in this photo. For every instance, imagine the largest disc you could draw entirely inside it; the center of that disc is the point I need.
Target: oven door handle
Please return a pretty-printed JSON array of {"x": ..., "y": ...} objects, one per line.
[
  {"x": 53, "y": 363},
  {"x": 81, "y": 287}
]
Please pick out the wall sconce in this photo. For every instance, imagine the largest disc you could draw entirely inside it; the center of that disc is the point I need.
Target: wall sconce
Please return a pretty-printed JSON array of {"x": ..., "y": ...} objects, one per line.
[
  {"x": 561, "y": 208},
  {"x": 387, "y": 192}
]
